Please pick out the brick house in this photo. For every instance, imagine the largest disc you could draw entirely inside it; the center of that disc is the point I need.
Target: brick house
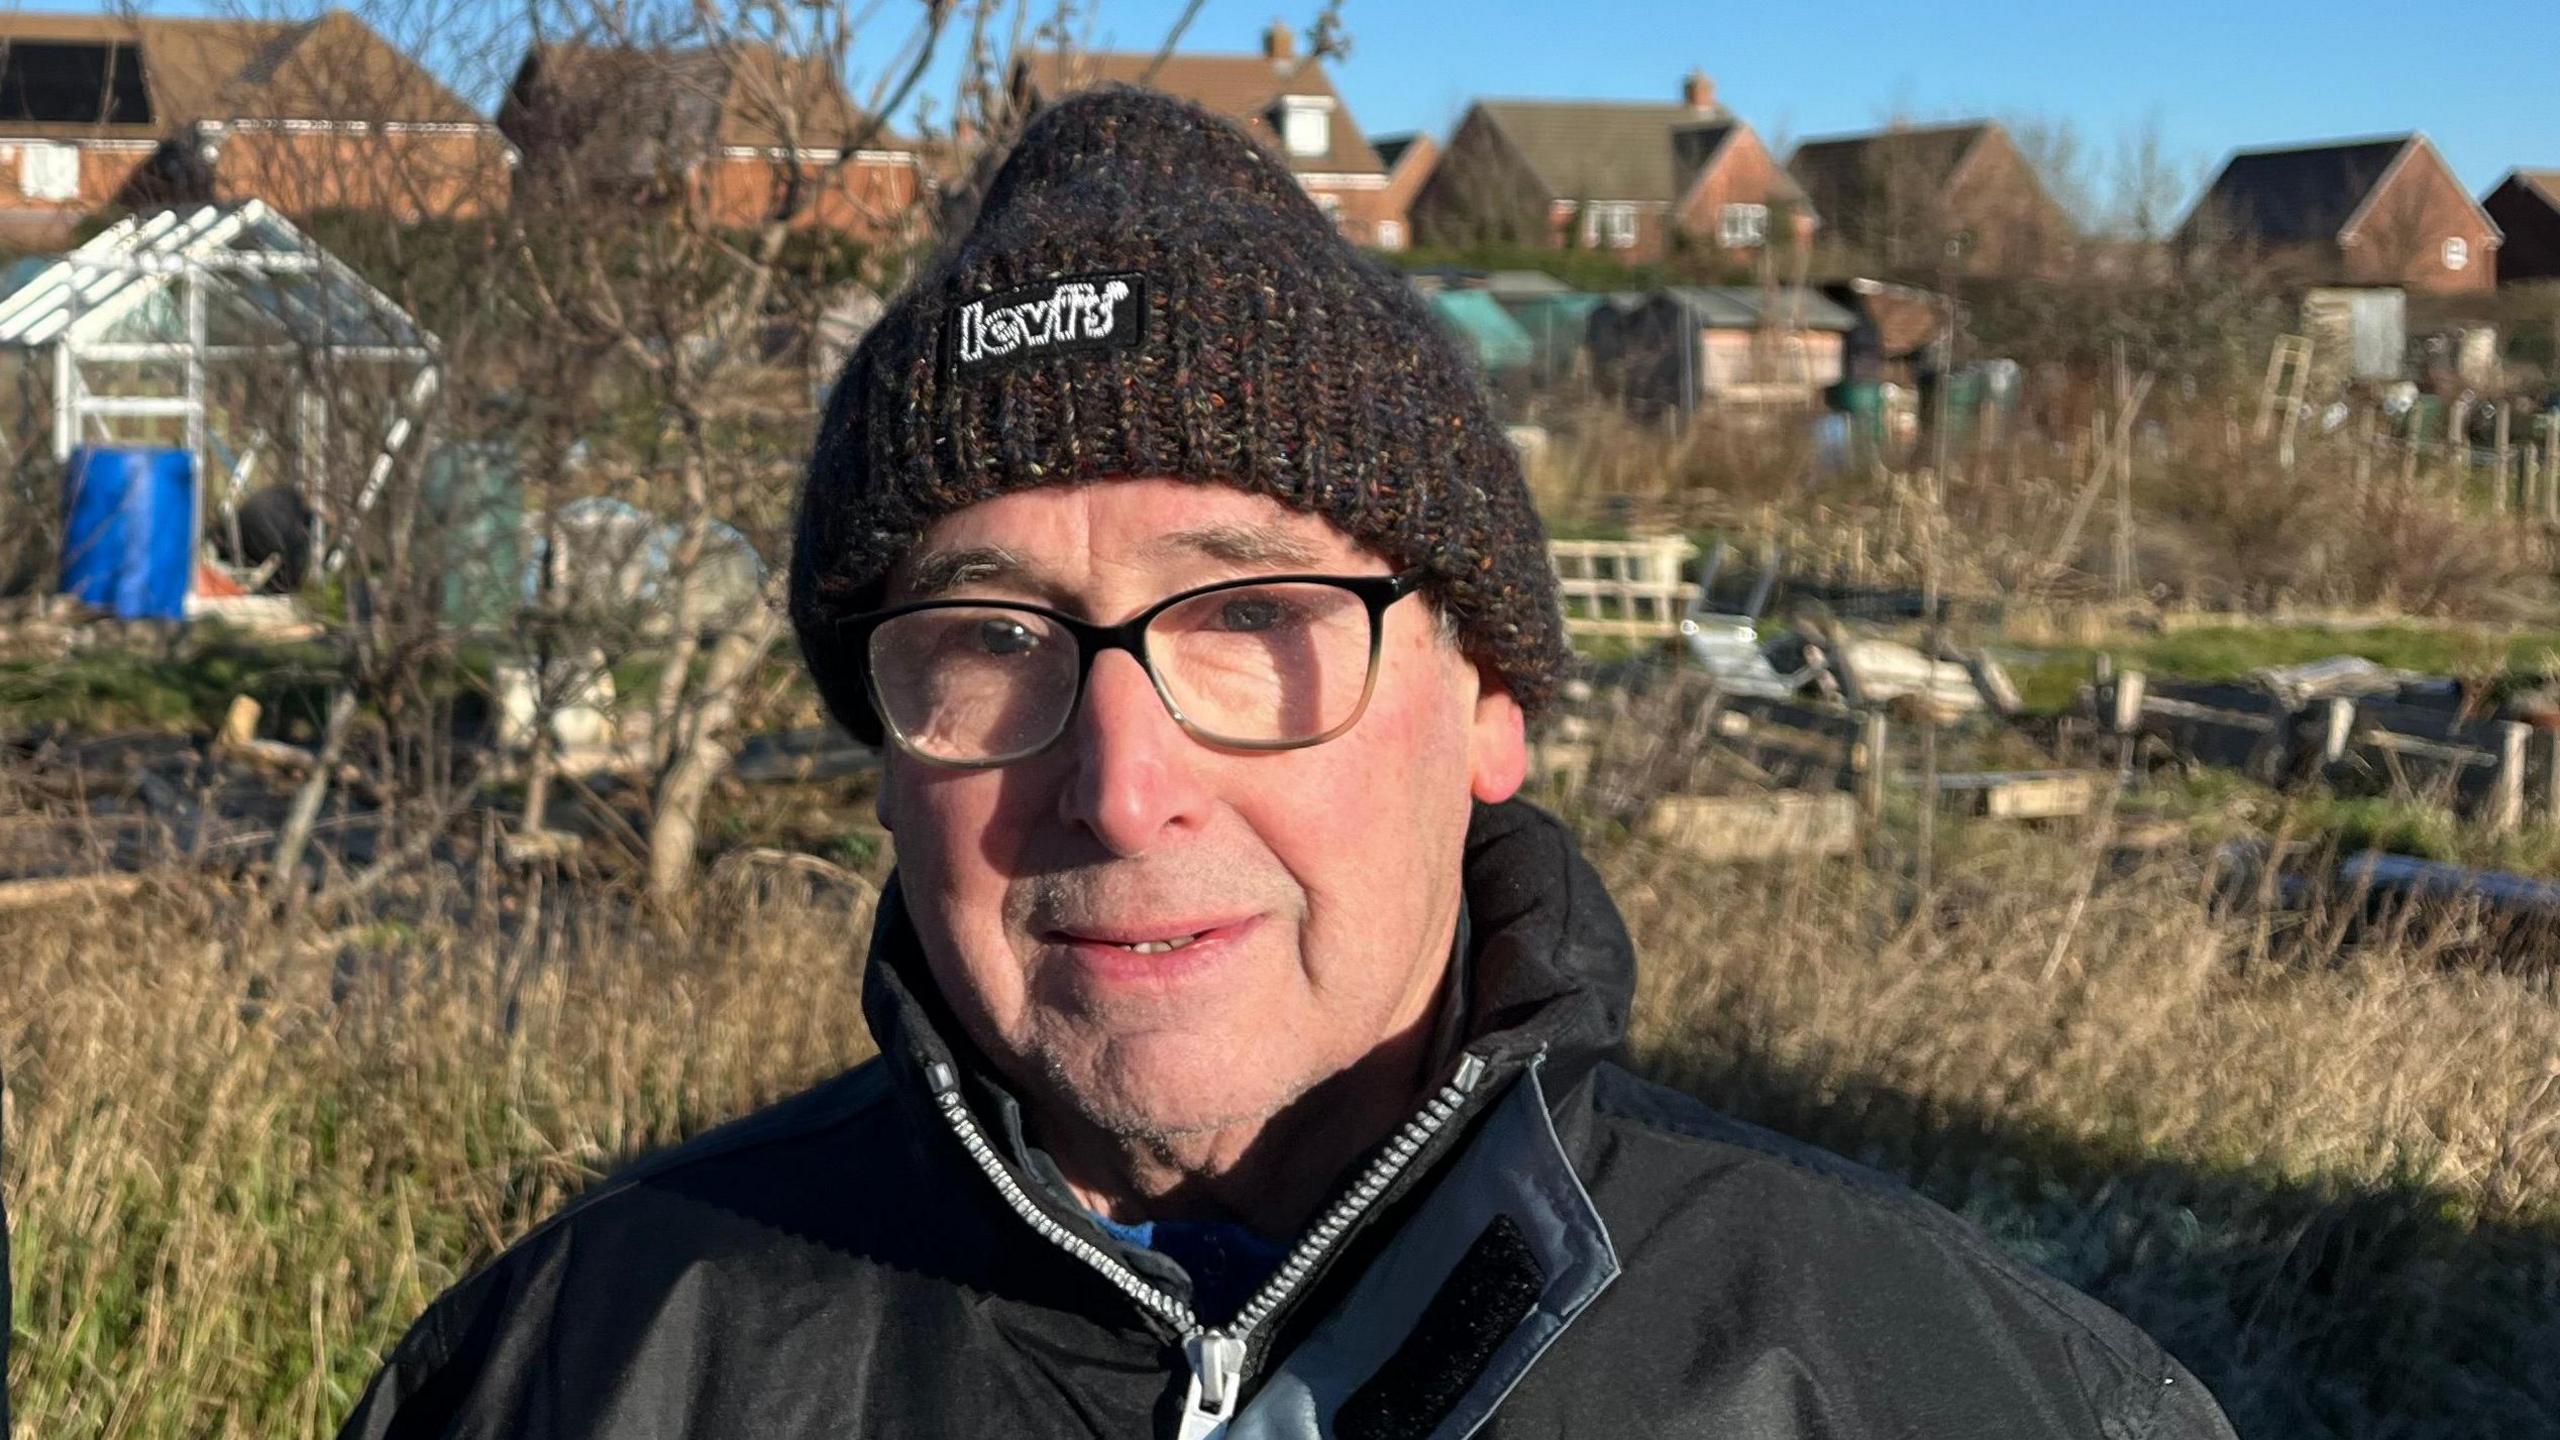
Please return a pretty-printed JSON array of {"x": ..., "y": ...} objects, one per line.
[
  {"x": 1639, "y": 179},
  {"x": 1904, "y": 196},
  {"x": 2526, "y": 208},
  {"x": 739, "y": 132},
  {"x": 99, "y": 111},
  {"x": 1286, "y": 101},
  {"x": 1409, "y": 159},
  {"x": 2387, "y": 211}
]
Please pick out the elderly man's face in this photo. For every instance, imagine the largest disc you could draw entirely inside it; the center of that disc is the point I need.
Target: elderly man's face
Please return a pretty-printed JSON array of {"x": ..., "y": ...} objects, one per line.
[{"x": 1321, "y": 883}]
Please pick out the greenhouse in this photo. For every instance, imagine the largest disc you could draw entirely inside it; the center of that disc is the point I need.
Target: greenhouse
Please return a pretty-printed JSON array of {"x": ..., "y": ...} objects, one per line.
[{"x": 220, "y": 331}]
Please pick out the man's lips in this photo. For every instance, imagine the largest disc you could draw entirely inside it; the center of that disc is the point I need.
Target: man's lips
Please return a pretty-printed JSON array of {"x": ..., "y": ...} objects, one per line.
[{"x": 1149, "y": 947}]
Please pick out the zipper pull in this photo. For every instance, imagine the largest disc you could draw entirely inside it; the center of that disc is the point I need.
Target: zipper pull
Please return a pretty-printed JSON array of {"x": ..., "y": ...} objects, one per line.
[{"x": 1217, "y": 1373}]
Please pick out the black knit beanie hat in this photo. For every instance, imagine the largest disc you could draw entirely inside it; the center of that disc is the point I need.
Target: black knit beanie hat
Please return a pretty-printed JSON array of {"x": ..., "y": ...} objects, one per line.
[{"x": 1146, "y": 292}]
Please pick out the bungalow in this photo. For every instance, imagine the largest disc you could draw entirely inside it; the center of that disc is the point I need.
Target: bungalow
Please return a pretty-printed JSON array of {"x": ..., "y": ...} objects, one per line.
[
  {"x": 743, "y": 133},
  {"x": 322, "y": 114},
  {"x": 2387, "y": 211},
  {"x": 1640, "y": 179},
  {"x": 2526, "y": 207},
  {"x": 1914, "y": 199},
  {"x": 1286, "y": 101}
]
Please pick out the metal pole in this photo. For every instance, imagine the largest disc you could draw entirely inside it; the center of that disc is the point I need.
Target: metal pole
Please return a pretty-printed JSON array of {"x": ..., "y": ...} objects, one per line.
[{"x": 193, "y": 279}]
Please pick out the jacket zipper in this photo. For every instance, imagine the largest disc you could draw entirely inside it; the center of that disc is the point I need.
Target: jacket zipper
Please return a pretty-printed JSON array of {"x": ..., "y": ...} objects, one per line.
[{"x": 1217, "y": 1355}]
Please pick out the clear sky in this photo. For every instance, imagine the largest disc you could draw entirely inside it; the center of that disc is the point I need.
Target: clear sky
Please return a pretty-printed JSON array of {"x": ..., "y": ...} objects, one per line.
[{"x": 2480, "y": 77}]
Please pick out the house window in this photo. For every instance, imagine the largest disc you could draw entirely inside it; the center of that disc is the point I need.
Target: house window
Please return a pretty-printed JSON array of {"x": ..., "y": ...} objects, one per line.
[
  {"x": 48, "y": 171},
  {"x": 1742, "y": 227},
  {"x": 1390, "y": 234},
  {"x": 2457, "y": 252},
  {"x": 1331, "y": 205},
  {"x": 1609, "y": 225},
  {"x": 1306, "y": 125}
]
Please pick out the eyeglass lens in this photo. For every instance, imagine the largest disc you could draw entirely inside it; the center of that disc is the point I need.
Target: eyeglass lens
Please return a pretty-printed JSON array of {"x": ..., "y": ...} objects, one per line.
[{"x": 1260, "y": 665}]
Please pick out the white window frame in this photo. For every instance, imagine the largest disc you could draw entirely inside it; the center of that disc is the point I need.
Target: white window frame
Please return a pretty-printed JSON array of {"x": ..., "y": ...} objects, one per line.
[
  {"x": 48, "y": 170},
  {"x": 1331, "y": 205},
  {"x": 1306, "y": 125},
  {"x": 1742, "y": 226},
  {"x": 1390, "y": 234},
  {"x": 1609, "y": 225},
  {"x": 2456, "y": 253}
]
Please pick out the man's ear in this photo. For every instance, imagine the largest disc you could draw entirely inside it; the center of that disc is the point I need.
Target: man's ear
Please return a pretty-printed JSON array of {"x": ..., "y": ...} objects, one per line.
[{"x": 1497, "y": 740}]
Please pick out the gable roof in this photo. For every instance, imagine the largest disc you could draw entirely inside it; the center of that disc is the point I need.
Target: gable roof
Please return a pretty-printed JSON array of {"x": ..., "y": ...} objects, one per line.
[
  {"x": 2543, "y": 185},
  {"x": 1391, "y": 148},
  {"x": 1836, "y": 170},
  {"x": 1749, "y": 307},
  {"x": 1612, "y": 150},
  {"x": 2299, "y": 193},
  {"x": 334, "y": 67},
  {"x": 634, "y": 109},
  {"x": 1243, "y": 88}
]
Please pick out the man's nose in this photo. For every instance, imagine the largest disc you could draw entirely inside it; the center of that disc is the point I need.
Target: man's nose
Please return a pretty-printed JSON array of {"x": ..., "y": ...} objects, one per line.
[{"x": 1134, "y": 778}]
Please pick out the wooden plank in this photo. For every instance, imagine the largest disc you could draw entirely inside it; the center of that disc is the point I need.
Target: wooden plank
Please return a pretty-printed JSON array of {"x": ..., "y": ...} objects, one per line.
[
  {"x": 1839, "y": 726},
  {"x": 1742, "y": 829},
  {"x": 2258, "y": 723},
  {"x": 54, "y": 890},
  {"x": 2022, "y": 794}
]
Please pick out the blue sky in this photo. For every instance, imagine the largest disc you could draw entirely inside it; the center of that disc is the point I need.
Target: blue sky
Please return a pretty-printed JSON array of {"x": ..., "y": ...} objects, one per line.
[{"x": 2481, "y": 78}]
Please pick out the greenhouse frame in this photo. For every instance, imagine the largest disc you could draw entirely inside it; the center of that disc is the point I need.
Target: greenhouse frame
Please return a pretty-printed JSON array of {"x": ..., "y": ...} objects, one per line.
[{"x": 225, "y": 331}]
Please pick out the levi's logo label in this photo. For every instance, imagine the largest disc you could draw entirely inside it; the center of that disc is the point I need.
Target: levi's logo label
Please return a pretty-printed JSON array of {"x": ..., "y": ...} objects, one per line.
[{"x": 1054, "y": 317}]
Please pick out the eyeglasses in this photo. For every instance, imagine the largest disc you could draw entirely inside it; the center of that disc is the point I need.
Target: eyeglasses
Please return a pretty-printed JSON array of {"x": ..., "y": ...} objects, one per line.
[{"x": 1274, "y": 662}]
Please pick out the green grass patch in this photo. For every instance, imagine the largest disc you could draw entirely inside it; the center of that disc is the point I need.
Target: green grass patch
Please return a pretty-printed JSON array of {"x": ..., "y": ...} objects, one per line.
[
  {"x": 2049, "y": 677},
  {"x": 183, "y": 688}
]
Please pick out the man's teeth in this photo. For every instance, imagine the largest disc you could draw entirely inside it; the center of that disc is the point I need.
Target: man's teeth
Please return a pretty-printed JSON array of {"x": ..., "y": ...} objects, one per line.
[{"x": 1159, "y": 947}]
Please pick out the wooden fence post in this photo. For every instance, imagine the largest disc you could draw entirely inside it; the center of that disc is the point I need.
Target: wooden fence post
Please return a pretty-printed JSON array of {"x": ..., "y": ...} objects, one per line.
[
  {"x": 2506, "y": 471},
  {"x": 2506, "y": 797},
  {"x": 1871, "y": 742},
  {"x": 2338, "y": 727},
  {"x": 2551, "y": 778}
]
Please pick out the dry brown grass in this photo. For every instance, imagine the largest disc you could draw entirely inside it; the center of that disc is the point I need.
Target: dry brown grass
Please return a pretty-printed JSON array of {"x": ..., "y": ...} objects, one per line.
[
  {"x": 2323, "y": 1168},
  {"x": 2217, "y": 521}
]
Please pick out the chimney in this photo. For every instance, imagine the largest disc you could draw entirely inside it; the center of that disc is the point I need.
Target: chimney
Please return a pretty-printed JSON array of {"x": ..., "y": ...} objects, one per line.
[
  {"x": 1699, "y": 92},
  {"x": 1279, "y": 43}
]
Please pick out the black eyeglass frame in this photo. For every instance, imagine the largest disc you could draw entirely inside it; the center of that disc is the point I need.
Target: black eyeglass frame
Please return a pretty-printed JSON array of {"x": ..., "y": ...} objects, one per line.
[{"x": 1377, "y": 592}]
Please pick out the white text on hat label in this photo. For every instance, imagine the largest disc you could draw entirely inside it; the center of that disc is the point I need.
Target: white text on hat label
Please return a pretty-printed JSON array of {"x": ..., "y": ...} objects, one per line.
[{"x": 1084, "y": 312}]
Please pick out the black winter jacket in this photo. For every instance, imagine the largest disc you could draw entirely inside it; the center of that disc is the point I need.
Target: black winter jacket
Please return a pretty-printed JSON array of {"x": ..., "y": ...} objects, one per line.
[{"x": 1550, "y": 1247}]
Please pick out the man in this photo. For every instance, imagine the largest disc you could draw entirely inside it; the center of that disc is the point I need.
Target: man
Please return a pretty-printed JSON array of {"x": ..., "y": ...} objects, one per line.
[{"x": 1245, "y": 1047}]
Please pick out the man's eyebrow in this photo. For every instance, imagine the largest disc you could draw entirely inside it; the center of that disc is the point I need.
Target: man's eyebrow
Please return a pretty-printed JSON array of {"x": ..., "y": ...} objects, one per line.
[
  {"x": 939, "y": 572},
  {"x": 1260, "y": 545}
]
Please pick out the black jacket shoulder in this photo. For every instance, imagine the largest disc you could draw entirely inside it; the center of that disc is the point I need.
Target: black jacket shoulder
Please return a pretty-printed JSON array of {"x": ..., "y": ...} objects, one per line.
[
  {"x": 811, "y": 1181},
  {"x": 1851, "y": 1273}
]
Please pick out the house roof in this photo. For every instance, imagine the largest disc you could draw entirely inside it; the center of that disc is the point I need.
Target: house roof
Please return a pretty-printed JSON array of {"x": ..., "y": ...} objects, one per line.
[
  {"x": 2299, "y": 193},
  {"x": 1391, "y": 148},
  {"x": 334, "y": 67},
  {"x": 2544, "y": 185},
  {"x": 1612, "y": 150},
  {"x": 1749, "y": 307},
  {"x": 637, "y": 106},
  {"x": 1244, "y": 88},
  {"x": 1836, "y": 170}
]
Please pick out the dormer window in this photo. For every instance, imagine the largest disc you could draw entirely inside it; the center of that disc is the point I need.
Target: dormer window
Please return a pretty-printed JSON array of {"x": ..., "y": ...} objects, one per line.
[{"x": 1306, "y": 125}]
